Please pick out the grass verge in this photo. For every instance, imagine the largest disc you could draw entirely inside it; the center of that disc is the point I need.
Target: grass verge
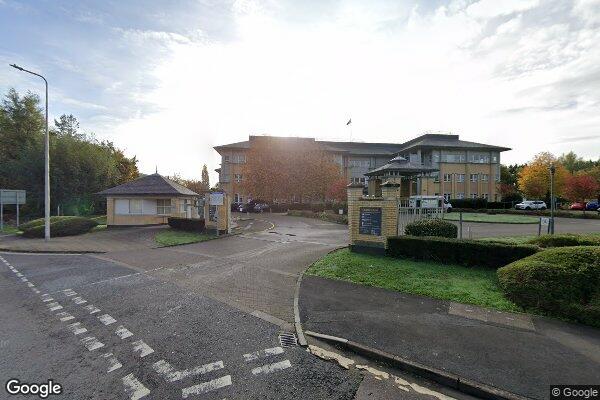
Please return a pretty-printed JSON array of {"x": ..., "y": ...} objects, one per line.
[
  {"x": 174, "y": 237},
  {"x": 526, "y": 238},
  {"x": 478, "y": 286},
  {"x": 493, "y": 218},
  {"x": 7, "y": 230}
]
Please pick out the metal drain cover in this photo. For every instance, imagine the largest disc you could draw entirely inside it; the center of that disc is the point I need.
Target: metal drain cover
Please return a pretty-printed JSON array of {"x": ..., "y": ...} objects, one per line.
[{"x": 288, "y": 339}]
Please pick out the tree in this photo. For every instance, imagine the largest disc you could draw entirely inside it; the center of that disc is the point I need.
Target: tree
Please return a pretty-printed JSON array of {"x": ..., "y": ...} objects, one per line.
[
  {"x": 205, "y": 178},
  {"x": 288, "y": 169},
  {"x": 338, "y": 190},
  {"x": 581, "y": 187},
  {"x": 534, "y": 178},
  {"x": 67, "y": 125}
]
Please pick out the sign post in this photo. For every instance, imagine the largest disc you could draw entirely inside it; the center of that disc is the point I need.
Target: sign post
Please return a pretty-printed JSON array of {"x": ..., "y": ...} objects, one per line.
[
  {"x": 216, "y": 199},
  {"x": 544, "y": 221},
  {"x": 9, "y": 197}
]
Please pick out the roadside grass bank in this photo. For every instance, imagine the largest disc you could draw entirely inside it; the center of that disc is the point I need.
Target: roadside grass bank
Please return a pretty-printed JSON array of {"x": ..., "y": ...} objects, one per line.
[
  {"x": 8, "y": 230},
  {"x": 492, "y": 218},
  {"x": 174, "y": 237},
  {"x": 470, "y": 285},
  {"x": 532, "y": 239}
]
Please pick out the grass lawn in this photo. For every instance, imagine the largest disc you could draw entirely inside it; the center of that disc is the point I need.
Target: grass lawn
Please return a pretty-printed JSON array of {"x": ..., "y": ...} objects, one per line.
[
  {"x": 477, "y": 286},
  {"x": 8, "y": 230},
  {"x": 173, "y": 237},
  {"x": 100, "y": 219},
  {"x": 493, "y": 218},
  {"x": 526, "y": 238}
]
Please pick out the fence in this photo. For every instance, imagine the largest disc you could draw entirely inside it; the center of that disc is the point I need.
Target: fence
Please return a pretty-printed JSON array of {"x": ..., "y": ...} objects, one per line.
[{"x": 410, "y": 211}]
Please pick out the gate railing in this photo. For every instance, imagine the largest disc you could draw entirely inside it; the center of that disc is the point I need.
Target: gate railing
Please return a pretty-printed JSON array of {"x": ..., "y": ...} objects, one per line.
[{"x": 407, "y": 214}]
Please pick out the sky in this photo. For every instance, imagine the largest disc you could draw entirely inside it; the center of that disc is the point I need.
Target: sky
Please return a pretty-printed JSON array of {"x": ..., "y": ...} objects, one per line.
[{"x": 167, "y": 80}]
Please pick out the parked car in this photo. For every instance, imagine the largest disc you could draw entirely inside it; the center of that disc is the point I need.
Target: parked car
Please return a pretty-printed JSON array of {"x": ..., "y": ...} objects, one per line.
[
  {"x": 592, "y": 206},
  {"x": 429, "y": 202},
  {"x": 577, "y": 206},
  {"x": 531, "y": 205},
  {"x": 235, "y": 206},
  {"x": 257, "y": 206}
]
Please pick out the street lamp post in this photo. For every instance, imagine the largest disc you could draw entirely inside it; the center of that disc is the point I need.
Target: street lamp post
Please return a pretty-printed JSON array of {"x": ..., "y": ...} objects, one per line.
[
  {"x": 46, "y": 161},
  {"x": 552, "y": 171}
]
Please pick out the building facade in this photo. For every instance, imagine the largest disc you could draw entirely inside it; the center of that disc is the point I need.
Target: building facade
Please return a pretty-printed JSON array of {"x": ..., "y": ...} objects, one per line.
[{"x": 463, "y": 169}]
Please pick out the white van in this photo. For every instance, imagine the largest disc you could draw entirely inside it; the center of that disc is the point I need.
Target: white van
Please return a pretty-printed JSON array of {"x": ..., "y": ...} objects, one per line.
[{"x": 429, "y": 202}]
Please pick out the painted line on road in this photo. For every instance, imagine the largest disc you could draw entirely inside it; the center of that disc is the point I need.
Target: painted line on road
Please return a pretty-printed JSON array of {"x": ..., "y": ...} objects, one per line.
[
  {"x": 36, "y": 291},
  {"x": 134, "y": 388},
  {"x": 113, "y": 363},
  {"x": 54, "y": 306},
  {"x": 165, "y": 369},
  {"x": 142, "y": 348},
  {"x": 79, "y": 300},
  {"x": 270, "y": 368},
  {"x": 46, "y": 298},
  {"x": 64, "y": 316},
  {"x": 263, "y": 354},
  {"x": 92, "y": 309},
  {"x": 106, "y": 319},
  {"x": 91, "y": 343},
  {"x": 29, "y": 284},
  {"x": 123, "y": 332},
  {"x": 206, "y": 387},
  {"x": 69, "y": 292},
  {"x": 24, "y": 279},
  {"x": 19, "y": 274},
  {"x": 76, "y": 328}
]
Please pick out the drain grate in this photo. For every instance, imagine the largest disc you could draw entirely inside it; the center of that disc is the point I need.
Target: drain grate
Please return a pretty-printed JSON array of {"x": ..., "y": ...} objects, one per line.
[{"x": 287, "y": 339}]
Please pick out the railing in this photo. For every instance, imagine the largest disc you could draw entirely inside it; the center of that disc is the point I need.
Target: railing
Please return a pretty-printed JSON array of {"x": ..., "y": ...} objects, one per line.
[{"x": 408, "y": 214}]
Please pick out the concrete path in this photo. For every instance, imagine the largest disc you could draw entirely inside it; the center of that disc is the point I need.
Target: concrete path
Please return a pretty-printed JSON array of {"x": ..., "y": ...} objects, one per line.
[{"x": 514, "y": 352}]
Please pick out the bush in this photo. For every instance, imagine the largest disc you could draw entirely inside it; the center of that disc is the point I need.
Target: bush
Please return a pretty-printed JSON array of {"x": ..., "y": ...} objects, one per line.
[
  {"x": 564, "y": 240},
  {"x": 40, "y": 221},
  {"x": 564, "y": 282},
  {"x": 187, "y": 224},
  {"x": 454, "y": 251},
  {"x": 60, "y": 226},
  {"x": 432, "y": 227}
]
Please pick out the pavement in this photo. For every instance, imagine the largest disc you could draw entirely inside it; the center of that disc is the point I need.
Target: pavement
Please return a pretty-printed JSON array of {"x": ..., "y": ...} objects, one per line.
[{"x": 519, "y": 353}]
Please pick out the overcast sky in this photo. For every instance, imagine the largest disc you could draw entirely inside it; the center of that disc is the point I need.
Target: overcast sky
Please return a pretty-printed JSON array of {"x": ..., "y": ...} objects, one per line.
[{"x": 168, "y": 80}]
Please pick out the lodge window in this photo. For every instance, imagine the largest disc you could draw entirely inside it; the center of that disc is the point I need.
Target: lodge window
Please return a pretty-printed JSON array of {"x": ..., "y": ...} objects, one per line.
[
  {"x": 163, "y": 206},
  {"x": 135, "y": 206}
]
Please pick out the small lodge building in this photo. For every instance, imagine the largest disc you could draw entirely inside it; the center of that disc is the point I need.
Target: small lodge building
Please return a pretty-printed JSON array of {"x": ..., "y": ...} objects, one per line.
[{"x": 149, "y": 200}]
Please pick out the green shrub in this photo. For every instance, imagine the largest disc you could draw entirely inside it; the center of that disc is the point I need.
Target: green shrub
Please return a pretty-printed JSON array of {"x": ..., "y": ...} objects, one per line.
[
  {"x": 454, "y": 251},
  {"x": 564, "y": 282},
  {"x": 187, "y": 224},
  {"x": 61, "y": 226},
  {"x": 432, "y": 227},
  {"x": 564, "y": 240},
  {"x": 40, "y": 221}
]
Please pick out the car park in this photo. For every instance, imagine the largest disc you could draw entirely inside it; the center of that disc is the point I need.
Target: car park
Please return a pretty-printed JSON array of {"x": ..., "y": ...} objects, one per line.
[
  {"x": 580, "y": 206},
  {"x": 257, "y": 206},
  {"x": 531, "y": 205},
  {"x": 592, "y": 206}
]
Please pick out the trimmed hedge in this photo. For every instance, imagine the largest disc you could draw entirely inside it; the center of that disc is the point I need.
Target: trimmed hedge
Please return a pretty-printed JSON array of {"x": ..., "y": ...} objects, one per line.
[
  {"x": 187, "y": 224},
  {"x": 564, "y": 240},
  {"x": 563, "y": 282},
  {"x": 40, "y": 221},
  {"x": 432, "y": 227},
  {"x": 469, "y": 253},
  {"x": 59, "y": 226}
]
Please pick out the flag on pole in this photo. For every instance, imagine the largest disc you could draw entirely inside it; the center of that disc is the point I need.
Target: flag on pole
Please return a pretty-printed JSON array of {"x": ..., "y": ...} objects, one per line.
[{"x": 349, "y": 121}]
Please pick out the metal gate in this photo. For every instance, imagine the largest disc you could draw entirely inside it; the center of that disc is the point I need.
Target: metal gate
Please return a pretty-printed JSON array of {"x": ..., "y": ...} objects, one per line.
[{"x": 408, "y": 213}]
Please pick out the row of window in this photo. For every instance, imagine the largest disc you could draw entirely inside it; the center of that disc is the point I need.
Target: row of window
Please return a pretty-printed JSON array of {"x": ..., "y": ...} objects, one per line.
[
  {"x": 143, "y": 206},
  {"x": 461, "y": 157},
  {"x": 235, "y": 159},
  {"x": 461, "y": 195},
  {"x": 362, "y": 181},
  {"x": 461, "y": 177}
]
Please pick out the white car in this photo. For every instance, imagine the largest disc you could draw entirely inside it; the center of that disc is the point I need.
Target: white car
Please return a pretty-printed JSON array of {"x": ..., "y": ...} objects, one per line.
[
  {"x": 430, "y": 202},
  {"x": 531, "y": 205}
]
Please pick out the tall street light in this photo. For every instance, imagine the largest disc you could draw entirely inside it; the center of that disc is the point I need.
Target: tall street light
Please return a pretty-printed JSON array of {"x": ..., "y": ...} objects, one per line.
[
  {"x": 47, "y": 160},
  {"x": 552, "y": 171}
]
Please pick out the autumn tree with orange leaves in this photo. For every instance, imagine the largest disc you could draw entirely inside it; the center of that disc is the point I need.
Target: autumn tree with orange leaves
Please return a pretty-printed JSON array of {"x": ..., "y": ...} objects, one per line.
[
  {"x": 534, "y": 178},
  {"x": 581, "y": 187},
  {"x": 283, "y": 169}
]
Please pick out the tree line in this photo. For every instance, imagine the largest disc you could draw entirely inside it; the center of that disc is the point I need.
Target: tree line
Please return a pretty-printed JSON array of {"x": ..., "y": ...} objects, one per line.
[{"x": 80, "y": 165}]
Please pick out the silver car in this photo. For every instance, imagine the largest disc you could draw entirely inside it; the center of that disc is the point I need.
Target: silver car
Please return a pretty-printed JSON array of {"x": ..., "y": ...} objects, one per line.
[{"x": 531, "y": 205}]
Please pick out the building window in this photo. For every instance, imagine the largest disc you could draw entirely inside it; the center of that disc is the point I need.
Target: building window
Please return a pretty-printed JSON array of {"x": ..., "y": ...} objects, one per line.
[
  {"x": 163, "y": 206},
  {"x": 447, "y": 196},
  {"x": 460, "y": 177},
  {"x": 226, "y": 159},
  {"x": 135, "y": 206},
  {"x": 447, "y": 177},
  {"x": 239, "y": 159},
  {"x": 485, "y": 196},
  {"x": 473, "y": 195},
  {"x": 359, "y": 163},
  {"x": 473, "y": 177},
  {"x": 495, "y": 157},
  {"x": 238, "y": 198},
  {"x": 484, "y": 177},
  {"x": 453, "y": 157},
  {"x": 436, "y": 176},
  {"x": 238, "y": 178},
  {"x": 460, "y": 195},
  {"x": 480, "y": 158},
  {"x": 357, "y": 180}
]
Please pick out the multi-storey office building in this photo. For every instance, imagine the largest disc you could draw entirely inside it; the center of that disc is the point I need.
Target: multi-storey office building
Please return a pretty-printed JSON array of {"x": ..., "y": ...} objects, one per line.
[{"x": 461, "y": 169}]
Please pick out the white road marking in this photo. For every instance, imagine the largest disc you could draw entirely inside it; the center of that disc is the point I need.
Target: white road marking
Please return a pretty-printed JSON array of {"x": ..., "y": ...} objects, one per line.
[
  {"x": 30, "y": 284},
  {"x": 91, "y": 343},
  {"x": 134, "y": 388},
  {"x": 92, "y": 309},
  {"x": 206, "y": 386},
  {"x": 269, "y": 368},
  {"x": 76, "y": 328},
  {"x": 64, "y": 316},
  {"x": 19, "y": 274},
  {"x": 263, "y": 354},
  {"x": 37, "y": 291},
  {"x": 24, "y": 279},
  {"x": 168, "y": 372},
  {"x": 113, "y": 363},
  {"x": 47, "y": 299},
  {"x": 79, "y": 300},
  {"x": 69, "y": 292},
  {"x": 123, "y": 332},
  {"x": 55, "y": 306},
  {"x": 142, "y": 348},
  {"x": 106, "y": 319}
]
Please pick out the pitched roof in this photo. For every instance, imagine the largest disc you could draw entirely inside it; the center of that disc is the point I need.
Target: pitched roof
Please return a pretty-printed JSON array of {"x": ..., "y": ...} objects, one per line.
[
  {"x": 359, "y": 148},
  {"x": 154, "y": 184},
  {"x": 402, "y": 165},
  {"x": 237, "y": 145},
  {"x": 447, "y": 141}
]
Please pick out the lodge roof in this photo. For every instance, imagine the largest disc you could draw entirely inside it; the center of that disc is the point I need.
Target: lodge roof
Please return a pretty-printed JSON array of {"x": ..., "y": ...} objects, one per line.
[
  {"x": 446, "y": 141},
  {"x": 154, "y": 184}
]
